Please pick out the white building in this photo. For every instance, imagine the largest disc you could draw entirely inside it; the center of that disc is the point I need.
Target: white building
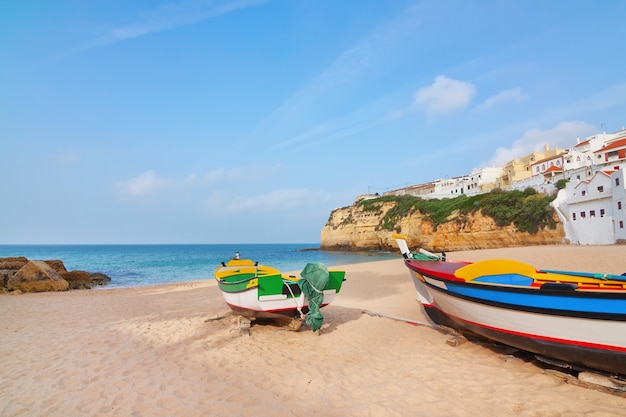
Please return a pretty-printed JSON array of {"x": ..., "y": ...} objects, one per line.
[
  {"x": 594, "y": 211},
  {"x": 479, "y": 181},
  {"x": 592, "y": 206},
  {"x": 612, "y": 155},
  {"x": 618, "y": 182}
]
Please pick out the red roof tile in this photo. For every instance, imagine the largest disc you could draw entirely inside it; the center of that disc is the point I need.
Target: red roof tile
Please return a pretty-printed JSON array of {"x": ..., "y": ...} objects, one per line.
[
  {"x": 617, "y": 144},
  {"x": 553, "y": 168}
]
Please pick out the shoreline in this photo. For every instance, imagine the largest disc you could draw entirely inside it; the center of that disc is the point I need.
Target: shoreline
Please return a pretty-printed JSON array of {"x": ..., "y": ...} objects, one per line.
[
  {"x": 557, "y": 258},
  {"x": 156, "y": 350}
]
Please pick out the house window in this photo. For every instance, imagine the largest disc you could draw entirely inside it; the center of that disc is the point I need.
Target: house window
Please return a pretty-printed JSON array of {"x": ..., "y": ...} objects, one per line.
[
  {"x": 583, "y": 193},
  {"x": 582, "y": 215},
  {"x": 617, "y": 181},
  {"x": 619, "y": 205},
  {"x": 601, "y": 212},
  {"x": 573, "y": 216},
  {"x": 592, "y": 213},
  {"x": 621, "y": 224},
  {"x": 600, "y": 189}
]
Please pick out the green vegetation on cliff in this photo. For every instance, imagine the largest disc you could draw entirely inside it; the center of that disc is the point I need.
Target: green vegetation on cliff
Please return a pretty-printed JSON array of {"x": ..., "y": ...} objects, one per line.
[{"x": 527, "y": 210}]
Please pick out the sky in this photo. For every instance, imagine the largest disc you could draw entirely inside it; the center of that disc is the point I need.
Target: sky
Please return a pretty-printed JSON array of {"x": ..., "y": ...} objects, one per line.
[{"x": 250, "y": 121}]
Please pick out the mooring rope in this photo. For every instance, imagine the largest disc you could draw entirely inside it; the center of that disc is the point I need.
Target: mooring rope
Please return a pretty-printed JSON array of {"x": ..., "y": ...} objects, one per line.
[{"x": 298, "y": 306}]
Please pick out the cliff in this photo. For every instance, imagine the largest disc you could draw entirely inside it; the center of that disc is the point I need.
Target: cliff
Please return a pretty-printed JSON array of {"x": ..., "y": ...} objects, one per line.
[{"x": 352, "y": 228}]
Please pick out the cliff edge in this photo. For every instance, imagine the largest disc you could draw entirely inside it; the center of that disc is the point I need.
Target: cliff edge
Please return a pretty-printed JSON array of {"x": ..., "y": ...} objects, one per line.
[{"x": 354, "y": 227}]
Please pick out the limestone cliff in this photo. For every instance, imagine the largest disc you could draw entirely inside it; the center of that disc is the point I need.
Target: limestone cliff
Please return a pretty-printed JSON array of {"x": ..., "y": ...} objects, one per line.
[{"x": 353, "y": 228}]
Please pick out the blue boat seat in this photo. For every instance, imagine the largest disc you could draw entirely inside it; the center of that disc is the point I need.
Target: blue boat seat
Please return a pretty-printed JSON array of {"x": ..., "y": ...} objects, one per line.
[{"x": 507, "y": 279}]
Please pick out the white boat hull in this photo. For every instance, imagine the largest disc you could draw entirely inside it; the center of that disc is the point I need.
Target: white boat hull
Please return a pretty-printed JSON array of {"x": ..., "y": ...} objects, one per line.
[
  {"x": 248, "y": 303},
  {"x": 586, "y": 343}
]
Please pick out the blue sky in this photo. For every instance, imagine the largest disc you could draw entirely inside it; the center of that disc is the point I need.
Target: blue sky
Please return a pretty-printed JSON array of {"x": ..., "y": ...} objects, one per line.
[{"x": 249, "y": 121}]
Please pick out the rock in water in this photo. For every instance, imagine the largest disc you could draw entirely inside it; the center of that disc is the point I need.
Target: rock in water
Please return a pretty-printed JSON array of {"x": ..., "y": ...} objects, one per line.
[{"x": 98, "y": 278}]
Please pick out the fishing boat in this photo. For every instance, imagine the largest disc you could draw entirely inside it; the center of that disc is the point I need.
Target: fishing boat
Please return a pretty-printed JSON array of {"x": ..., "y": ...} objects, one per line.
[
  {"x": 576, "y": 320},
  {"x": 262, "y": 292}
]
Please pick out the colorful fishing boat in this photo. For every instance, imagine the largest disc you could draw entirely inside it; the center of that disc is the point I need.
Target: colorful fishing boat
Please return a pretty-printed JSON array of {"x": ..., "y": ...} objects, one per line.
[
  {"x": 572, "y": 319},
  {"x": 259, "y": 291}
]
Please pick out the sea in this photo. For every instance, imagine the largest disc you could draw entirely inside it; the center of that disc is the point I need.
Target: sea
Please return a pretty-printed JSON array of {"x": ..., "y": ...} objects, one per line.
[{"x": 139, "y": 265}]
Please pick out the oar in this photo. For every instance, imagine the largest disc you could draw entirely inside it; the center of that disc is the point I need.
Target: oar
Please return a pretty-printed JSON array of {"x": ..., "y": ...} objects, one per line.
[{"x": 603, "y": 277}]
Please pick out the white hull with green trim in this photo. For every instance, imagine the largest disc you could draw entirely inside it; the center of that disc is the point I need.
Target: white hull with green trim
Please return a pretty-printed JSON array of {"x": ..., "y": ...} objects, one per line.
[{"x": 259, "y": 291}]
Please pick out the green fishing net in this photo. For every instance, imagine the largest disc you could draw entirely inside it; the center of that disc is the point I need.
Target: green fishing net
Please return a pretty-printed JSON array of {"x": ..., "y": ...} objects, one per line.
[{"x": 314, "y": 280}]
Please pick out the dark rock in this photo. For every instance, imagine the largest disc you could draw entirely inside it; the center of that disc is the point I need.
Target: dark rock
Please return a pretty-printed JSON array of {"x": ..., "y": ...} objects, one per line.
[
  {"x": 77, "y": 280},
  {"x": 57, "y": 265},
  {"x": 8, "y": 267},
  {"x": 4, "y": 277},
  {"x": 13, "y": 263},
  {"x": 37, "y": 276},
  {"x": 98, "y": 278}
]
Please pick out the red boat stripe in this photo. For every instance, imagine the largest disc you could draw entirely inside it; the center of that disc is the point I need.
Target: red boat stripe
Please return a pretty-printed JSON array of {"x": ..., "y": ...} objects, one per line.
[
  {"x": 532, "y": 336},
  {"x": 274, "y": 310}
]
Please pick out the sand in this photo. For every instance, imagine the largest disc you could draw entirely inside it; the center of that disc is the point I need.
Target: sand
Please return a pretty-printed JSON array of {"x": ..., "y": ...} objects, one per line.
[{"x": 153, "y": 351}]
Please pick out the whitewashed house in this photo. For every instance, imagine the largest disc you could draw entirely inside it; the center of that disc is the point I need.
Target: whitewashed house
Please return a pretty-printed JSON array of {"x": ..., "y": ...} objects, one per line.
[
  {"x": 592, "y": 206},
  {"x": 479, "y": 181},
  {"x": 612, "y": 155},
  {"x": 593, "y": 211},
  {"x": 618, "y": 183}
]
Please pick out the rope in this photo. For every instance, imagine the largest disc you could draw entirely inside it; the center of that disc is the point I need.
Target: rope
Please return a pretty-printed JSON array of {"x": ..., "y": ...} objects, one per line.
[
  {"x": 318, "y": 291},
  {"x": 409, "y": 321},
  {"x": 298, "y": 306},
  {"x": 443, "y": 329}
]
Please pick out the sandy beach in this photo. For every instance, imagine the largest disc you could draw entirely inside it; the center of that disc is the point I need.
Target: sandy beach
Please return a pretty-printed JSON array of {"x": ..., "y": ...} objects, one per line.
[{"x": 154, "y": 351}]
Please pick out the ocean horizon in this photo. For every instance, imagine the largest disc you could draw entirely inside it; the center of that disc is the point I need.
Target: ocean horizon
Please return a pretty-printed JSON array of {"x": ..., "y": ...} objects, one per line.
[{"x": 132, "y": 265}]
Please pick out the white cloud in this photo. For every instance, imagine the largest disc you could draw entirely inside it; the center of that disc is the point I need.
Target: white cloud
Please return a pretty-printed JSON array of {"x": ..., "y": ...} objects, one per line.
[
  {"x": 281, "y": 200},
  {"x": 64, "y": 158},
  {"x": 165, "y": 17},
  {"x": 445, "y": 95},
  {"x": 248, "y": 174},
  {"x": 603, "y": 101},
  {"x": 220, "y": 174},
  {"x": 191, "y": 178},
  {"x": 175, "y": 14},
  {"x": 142, "y": 185},
  {"x": 504, "y": 96},
  {"x": 352, "y": 66},
  {"x": 563, "y": 136},
  {"x": 150, "y": 183},
  {"x": 285, "y": 199}
]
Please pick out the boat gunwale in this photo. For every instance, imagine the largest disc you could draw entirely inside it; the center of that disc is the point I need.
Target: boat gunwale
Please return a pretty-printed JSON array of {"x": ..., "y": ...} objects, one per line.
[
  {"x": 579, "y": 291},
  {"x": 533, "y": 291}
]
